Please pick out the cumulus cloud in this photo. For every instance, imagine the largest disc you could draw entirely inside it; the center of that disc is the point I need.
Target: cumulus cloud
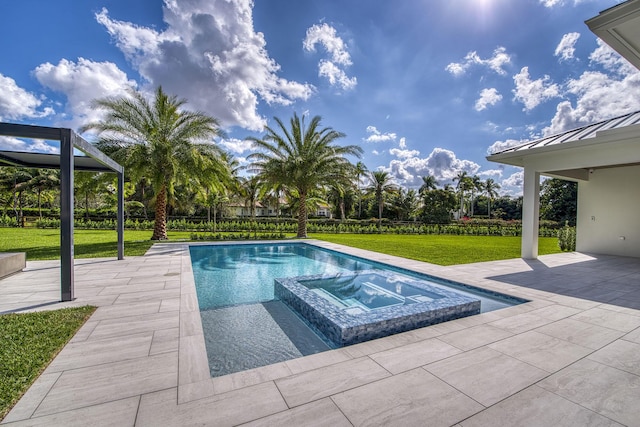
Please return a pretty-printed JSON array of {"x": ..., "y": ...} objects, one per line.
[
  {"x": 499, "y": 146},
  {"x": 553, "y": 3},
  {"x": 210, "y": 54},
  {"x": 18, "y": 103},
  {"x": 376, "y": 136},
  {"x": 598, "y": 95},
  {"x": 403, "y": 154},
  {"x": 566, "y": 48},
  {"x": 441, "y": 163},
  {"x": 10, "y": 143},
  {"x": 402, "y": 143},
  {"x": 238, "y": 146},
  {"x": 488, "y": 96},
  {"x": 533, "y": 92},
  {"x": 496, "y": 63},
  {"x": 512, "y": 185},
  {"x": 491, "y": 173},
  {"x": 82, "y": 82},
  {"x": 332, "y": 68}
]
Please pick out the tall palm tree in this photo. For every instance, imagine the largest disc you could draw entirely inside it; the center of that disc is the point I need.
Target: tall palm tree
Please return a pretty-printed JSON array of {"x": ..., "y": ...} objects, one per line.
[
  {"x": 160, "y": 141},
  {"x": 429, "y": 183},
  {"x": 302, "y": 158},
  {"x": 490, "y": 188},
  {"x": 463, "y": 182},
  {"x": 360, "y": 170},
  {"x": 381, "y": 184},
  {"x": 475, "y": 183}
]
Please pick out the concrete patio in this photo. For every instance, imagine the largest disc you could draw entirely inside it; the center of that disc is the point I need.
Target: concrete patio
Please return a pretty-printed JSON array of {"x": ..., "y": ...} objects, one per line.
[{"x": 570, "y": 356}]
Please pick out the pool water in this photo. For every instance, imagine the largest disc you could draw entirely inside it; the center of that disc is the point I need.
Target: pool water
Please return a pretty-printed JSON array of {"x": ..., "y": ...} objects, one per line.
[{"x": 246, "y": 326}]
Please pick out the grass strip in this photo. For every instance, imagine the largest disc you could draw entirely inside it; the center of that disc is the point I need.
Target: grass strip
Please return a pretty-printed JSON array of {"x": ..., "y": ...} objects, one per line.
[
  {"x": 28, "y": 343},
  {"x": 441, "y": 249}
]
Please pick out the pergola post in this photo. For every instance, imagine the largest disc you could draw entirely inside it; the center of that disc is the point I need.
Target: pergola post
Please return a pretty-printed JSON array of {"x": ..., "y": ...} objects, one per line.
[
  {"x": 530, "y": 213},
  {"x": 66, "y": 214},
  {"x": 120, "y": 223}
]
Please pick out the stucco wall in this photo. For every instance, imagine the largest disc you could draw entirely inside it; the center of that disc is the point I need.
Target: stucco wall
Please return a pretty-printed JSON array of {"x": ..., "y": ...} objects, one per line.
[{"x": 608, "y": 210}]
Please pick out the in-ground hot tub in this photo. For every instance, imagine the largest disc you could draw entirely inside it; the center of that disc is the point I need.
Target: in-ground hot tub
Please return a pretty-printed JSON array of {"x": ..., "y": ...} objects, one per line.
[{"x": 352, "y": 308}]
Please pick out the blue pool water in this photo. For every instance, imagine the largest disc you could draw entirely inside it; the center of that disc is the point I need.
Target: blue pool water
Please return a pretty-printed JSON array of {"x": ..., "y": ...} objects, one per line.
[{"x": 245, "y": 326}]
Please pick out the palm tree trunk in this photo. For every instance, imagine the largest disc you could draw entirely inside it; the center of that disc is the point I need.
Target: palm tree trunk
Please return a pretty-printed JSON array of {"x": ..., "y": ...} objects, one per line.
[
  {"x": 302, "y": 216},
  {"x": 39, "y": 203},
  {"x": 380, "y": 208},
  {"x": 342, "y": 215},
  {"x": 489, "y": 208},
  {"x": 160, "y": 226}
]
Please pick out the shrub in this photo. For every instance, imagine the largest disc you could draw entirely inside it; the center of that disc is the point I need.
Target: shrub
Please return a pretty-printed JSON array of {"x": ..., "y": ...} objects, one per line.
[{"x": 567, "y": 238}]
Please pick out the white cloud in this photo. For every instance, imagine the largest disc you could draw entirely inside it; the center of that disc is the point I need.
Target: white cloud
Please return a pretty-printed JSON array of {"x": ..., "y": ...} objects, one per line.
[
  {"x": 377, "y": 136},
  {"x": 512, "y": 185},
  {"x": 488, "y": 96},
  {"x": 82, "y": 82},
  {"x": 498, "y": 146},
  {"x": 17, "y": 103},
  {"x": 332, "y": 68},
  {"x": 10, "y": 143},
  {"x": 533, "y": 92},
  {"x": 491, "y": 173},
  {"x": 497, "y": 62},
  {"x": 598, "y": 96},
  {"x": 238, "y": 146},
  {"x": 441, "y": 163},
  {"x": 210, "y": 54},
  {"x": 551, "y": 3},
  {"x": 566, "y": 48},
  {"x": 403, "y": 154},
  {"x": 402, "y": 143}
]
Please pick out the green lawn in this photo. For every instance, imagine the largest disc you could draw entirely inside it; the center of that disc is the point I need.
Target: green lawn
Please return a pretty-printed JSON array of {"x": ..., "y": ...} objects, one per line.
[
  {"x": 441, "y": 249},
  {"x": 45, "y": 243},
  {"x": 28, "y": 342},
  {"x": 436, "y": 249}
]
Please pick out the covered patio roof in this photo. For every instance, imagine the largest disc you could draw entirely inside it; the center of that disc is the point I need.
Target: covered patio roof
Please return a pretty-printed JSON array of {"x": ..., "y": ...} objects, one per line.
[
  {"x": 93, "y": 160},
  {"x": 619, "y": 27},
  {"x": 609, "y": 143}
]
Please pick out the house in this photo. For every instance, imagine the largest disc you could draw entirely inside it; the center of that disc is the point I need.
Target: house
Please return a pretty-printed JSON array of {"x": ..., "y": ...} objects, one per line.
[{"x": 603, "y": 158}]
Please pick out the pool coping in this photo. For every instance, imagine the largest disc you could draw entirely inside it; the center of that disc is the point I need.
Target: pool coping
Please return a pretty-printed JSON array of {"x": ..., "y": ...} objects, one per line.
[{"x": 194, "y": 378}]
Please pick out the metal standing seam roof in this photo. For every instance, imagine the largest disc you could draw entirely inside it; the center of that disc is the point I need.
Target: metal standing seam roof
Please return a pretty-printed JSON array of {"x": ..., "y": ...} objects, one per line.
[{"x": 585, "y": 132}]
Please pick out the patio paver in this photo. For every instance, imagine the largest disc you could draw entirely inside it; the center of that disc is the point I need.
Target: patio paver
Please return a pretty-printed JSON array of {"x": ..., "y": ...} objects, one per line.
[{"x": 567, "y": 357}]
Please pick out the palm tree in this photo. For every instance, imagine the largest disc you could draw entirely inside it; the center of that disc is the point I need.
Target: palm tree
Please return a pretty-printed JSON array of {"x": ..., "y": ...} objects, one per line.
[
  {"x": 381, "y": 184},
  {"x": 360, "y": 170},
  {"x": 463, "y": 180},
  {"x": 429, "y": 183},
  {"x": 303, "y": 159},
  {"x": 490, "y": 188},
  {"x": 475, "y": 183},
  {"x": 160, "y": 141},
  {"x": 41, "y": 180},
  {"x": 251, "y": 190}
]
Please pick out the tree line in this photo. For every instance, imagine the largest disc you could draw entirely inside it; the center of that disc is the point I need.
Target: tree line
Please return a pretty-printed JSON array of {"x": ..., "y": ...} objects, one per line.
[{"x": 173, "y": 167}]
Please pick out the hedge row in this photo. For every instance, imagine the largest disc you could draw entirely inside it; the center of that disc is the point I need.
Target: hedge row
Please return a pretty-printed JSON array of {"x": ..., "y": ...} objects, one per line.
[{"x": 467, "y": 228}]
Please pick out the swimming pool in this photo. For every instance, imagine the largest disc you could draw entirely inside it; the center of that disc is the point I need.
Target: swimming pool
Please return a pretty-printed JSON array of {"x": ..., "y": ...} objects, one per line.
[{"x": 247, "y": 323}]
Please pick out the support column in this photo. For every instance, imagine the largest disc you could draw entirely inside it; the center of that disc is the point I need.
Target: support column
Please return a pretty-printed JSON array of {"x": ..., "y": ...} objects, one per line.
[
  {"x": 66, "y": 215},
  {"x": 530, "y": 213},
  {"x": 120, "y": 220}
]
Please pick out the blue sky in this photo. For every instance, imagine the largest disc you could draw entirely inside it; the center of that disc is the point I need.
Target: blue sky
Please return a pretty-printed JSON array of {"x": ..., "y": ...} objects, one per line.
[{"x": 425, "y": 87}]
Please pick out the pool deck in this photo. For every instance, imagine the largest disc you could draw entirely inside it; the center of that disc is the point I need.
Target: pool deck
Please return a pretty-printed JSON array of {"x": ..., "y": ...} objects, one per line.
[{"x": 569, "y": 357}]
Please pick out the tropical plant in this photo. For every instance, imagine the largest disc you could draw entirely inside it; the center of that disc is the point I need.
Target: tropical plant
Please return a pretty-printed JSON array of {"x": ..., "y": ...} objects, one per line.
[
  {"x": 40, "y": 181},
  {"x": 302, "y": 158},
  {"x": 463, "y": 184},
  {"x": 490, "y": 188},
  {"x": 360, "y": 170},
  {"x": 381, "y": 185},
  {"x": 429, "y": 183},
  {"x": 160, "y": 141}
]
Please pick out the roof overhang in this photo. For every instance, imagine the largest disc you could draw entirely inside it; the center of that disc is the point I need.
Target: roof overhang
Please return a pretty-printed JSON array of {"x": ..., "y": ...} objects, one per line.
[
  {"x": 94, "y": 160},
  {"x": 619, "y": 27},
  {"x": 574, "y": 159}
]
